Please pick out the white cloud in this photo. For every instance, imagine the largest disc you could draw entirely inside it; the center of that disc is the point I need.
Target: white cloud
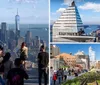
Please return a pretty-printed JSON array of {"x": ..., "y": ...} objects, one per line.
[
  {"x": 68, "y": 2},
  {"x": 28, "y": 1},
  {"x": 53, "y": 13},
  {"x": 60, "y": 10},
  {"x": 52, "y": 21},
  {"x": 90, "y": 6}
]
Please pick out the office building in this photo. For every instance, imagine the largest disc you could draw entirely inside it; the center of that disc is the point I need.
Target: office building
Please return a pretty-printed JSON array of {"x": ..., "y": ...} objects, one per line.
[
  {"x": 4, "y": 32},
  {"x": 54, "y": 51},
  {"x": 83, "y": 60}
]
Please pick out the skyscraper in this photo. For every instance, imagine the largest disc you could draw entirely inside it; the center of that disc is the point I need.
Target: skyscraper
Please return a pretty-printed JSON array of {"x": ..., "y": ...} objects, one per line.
[
  {"x": 17, "y": 23},
  {"x": 54, "y": 51},
  {"x": 28, "y": 38},
  {"x": 4, "y": 32},
  {"x": 12, "y": 35},
  {"x": 36, "y": 42},
  {"x": 92, "y": 54}
]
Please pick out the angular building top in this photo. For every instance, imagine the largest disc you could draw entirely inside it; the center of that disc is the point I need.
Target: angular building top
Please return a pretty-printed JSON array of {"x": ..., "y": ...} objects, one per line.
[
  {"x": 73, "y": 3},
  {"x": 69, "y": 22}
]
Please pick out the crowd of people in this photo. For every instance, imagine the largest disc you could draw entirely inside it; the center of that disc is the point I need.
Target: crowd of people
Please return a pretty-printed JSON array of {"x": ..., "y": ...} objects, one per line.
[
  {"x": 13, "y": 72},
  {"x": 60, "y": 75}
]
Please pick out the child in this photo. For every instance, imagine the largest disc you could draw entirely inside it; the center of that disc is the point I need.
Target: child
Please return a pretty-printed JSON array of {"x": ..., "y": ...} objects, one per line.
[{"x": 54, "y": 77}]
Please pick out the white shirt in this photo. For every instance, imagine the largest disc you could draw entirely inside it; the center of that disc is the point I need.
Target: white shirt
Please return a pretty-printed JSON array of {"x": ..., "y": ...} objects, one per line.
[
  {"x": 25, "y": 49},
  {"x": 65, "y": 72},
  {"x": 51, "y": 72}
]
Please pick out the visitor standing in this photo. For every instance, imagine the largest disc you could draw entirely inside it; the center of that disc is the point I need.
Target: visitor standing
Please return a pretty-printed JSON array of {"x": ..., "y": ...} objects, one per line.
[
  {"x": 43, "y": 59},
  {"x": 24, "y": 54},
  {"x": 8, "y": 64},
  {"x": 62, "y": 74},
  {"x": 51, "y": 75},
  {"x": 65, "y": 74},
  {"x": 59, "y": 75}
]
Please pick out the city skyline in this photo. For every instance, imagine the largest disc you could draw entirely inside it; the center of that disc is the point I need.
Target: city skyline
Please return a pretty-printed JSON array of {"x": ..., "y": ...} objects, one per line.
[
  {"x": 74, "y": 48},
  {"x": 29, "y": 11},
  {"x": 85, "y": 7}
]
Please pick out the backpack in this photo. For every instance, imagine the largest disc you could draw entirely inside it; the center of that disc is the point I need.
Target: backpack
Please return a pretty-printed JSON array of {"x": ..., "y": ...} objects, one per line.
[
  {"x": 15, "y": 79},
  {"x": 54, "y": 77}
]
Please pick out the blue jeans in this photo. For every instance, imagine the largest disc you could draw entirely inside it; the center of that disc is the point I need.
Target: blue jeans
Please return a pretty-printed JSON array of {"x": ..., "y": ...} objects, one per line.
[
  {"x": 51, "y": 81},
  {"x": 59, "y": 79},
  {"x": 2, "y": 81}
]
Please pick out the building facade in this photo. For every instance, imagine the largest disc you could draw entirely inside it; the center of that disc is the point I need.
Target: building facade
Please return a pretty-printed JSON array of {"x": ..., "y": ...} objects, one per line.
[
  {"x": 97, "y": 64},
  {"x": 68, "y": 59},
  {"x": 28, "y": 38},
  {"x": 55, "y": 63},
  {"x": 54, "y": 51},
  {"x": 83, "y": 60},
  {"x": 4, "y": 32},
  {"x": 69, "y": 22},
  {"x": 92, "y": 57}
]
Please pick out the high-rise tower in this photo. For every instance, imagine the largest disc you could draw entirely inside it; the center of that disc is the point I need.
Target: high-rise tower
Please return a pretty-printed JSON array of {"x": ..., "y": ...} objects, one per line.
[
  {"x": 4, "y": 32},
  {"x": 92, "y": 54},
  {"x": 17, "y": 23}
]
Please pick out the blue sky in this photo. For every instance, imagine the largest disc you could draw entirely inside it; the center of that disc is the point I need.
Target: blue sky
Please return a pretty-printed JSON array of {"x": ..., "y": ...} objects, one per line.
[
  {"x": 74, "y": 48},
  {"x": 30, "y": 11},
  {"x": 89, "y": 10}
]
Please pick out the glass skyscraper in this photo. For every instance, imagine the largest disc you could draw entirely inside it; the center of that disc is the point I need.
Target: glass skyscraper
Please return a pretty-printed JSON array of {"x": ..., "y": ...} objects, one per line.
[{"x": 17, "y": 23}]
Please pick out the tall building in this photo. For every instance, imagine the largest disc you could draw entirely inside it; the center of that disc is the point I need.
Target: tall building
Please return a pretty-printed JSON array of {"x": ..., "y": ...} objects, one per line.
[
  {"x": 69, "y": 23},
  {"x": 17, "y": 23},
  {"x": 54, "y": 51},
  {"x": 28, "y": 38},
  {"x": 92, "y": 54},
  {"x": 83, "y": 60},
  {"x": 43, "y": 43},
  {"x": 92, "y": 57},
  {"x": 4, "y": 32},
  {"x": 36, "y": 43},
  {"x": 12, "y": 35},
  {"x": 69, "y": 27}
]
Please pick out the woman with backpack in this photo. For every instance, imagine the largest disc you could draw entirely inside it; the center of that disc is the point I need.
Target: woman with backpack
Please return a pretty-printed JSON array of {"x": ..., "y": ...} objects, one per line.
[{"x": 24, "y": 54}]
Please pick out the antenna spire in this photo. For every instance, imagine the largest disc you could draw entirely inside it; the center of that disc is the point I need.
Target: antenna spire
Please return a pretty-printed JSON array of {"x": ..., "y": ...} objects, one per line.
[{"x": 17, "y": 11}]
